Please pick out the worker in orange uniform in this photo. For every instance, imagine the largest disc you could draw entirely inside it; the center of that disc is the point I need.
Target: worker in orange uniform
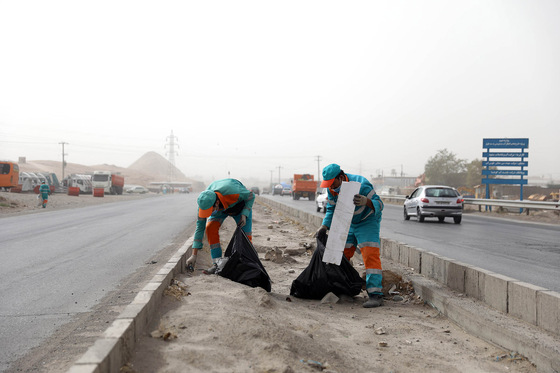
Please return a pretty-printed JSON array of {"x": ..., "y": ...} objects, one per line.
[
  {"x": 364, "y": 229},
  {"x": 222, "y": 198}
]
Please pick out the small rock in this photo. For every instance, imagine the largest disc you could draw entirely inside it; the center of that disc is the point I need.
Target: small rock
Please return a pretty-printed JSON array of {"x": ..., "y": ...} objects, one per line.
[
  {"x": 291, "y": 270},
  {"x": 380, "y": 331},
  {"x": 398, "y": 298},
  {"x": 329, "y": 298},
  {"x": 383, "y": 344}
]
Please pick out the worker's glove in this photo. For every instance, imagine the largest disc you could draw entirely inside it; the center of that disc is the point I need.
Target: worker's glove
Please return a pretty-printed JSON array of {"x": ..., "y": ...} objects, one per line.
[
  {"x": 191, "y": 262},
  {"x": 242, "y": 221},
  {"x": 321, "y": 234},
  {"x": 360, "y": 200}
]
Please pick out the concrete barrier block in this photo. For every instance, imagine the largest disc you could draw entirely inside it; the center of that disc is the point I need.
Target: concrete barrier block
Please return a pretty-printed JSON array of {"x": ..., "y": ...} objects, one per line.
[
  {"x": 138, "y": 312},
  {"x": 166, "y": 274},
  {"x": 85, "y": 368},
  {"x": 455, "y": 278},
  {"x": 105, "y": 353},
  {"x": 384, "y": 244},
  {"x": 440, "y": 268},
  {"x": 522, "y": 302},
  {"x": 403, "y": 254},
  {"x": 415, "y": 258},
  {"x": 496, "y": 291},
  {"x": 474, "y": 282},
  {"x": 427, "y": 264},
  {"x": 396, "y": 251},
  {"x": 123, "y": 329},
  {"x": 144, "y": 298},
  {"x": 385, "y": 250},
  {"x": 548, "y": 311}
]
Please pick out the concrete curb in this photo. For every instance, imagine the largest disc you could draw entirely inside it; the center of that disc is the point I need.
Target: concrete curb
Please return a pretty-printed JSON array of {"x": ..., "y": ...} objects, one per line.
[
  {"x": 110, "y": 352},
  {"x": 532, "y": 329},
  {"x": 533, "y": 313}
]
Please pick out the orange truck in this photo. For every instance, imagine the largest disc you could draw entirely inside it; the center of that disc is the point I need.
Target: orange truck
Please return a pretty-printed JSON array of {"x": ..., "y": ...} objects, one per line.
[
  {"x": 304, "y": 185},
  {"x": 111, "y": 182}
]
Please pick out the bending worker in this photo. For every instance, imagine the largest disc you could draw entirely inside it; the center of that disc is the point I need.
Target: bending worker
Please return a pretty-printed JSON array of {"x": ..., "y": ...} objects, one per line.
[
  {"x": 364, "y": 229},
  {"x": 222, "y": 198}
]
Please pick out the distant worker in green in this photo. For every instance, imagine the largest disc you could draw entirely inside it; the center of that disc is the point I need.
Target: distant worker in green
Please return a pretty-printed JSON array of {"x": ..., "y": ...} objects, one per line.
[{"x": 44, "y": 191}]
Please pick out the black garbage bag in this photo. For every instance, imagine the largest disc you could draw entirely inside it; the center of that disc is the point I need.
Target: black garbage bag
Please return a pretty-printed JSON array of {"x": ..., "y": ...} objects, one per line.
[
  {"x": 244, "y": 265},
  {"x": 320, "y": 278}
]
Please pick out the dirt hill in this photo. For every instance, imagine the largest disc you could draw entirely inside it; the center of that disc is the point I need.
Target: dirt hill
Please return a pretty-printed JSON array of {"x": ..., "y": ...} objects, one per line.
[{"x": 148, "y": 168}]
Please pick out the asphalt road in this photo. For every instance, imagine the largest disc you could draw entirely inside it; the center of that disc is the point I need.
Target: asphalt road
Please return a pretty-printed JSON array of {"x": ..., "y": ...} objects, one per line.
[
  {"x": 57, "y": 264},
  {"x": 528, "y": 252}
]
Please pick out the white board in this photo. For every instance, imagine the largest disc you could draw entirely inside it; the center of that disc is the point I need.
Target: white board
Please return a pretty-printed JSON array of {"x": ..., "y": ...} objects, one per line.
[{"x": 340, "y": 225}]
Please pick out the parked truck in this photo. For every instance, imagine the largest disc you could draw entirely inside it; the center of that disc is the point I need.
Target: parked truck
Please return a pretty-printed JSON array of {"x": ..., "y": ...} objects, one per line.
[
  {"x": 82, "y": 181},
  {"x": 304, "y": 185},
  {"x": 110, "y": 181}
]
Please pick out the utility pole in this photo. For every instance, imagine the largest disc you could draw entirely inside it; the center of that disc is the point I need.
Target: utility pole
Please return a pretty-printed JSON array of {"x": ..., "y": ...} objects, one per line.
[
  {"x": 63, "y": 154},
  {"x": 318, "y": 170},
  {"x": 171, "y": 142},
  {"x": 271, "y": 187},
  {"x": 279, "y": 167}
]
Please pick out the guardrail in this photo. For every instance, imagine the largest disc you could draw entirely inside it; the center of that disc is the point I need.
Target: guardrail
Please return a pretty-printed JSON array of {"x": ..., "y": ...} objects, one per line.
[{"x": 506, "y": 203}]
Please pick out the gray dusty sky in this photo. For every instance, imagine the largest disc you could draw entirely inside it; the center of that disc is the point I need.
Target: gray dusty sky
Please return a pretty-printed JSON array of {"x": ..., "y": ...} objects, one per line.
[{"x": 258, "y": 88}]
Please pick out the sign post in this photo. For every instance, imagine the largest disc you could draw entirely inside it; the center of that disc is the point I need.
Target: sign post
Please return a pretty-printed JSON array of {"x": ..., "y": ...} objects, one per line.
[{"x": 516, "y": 167}]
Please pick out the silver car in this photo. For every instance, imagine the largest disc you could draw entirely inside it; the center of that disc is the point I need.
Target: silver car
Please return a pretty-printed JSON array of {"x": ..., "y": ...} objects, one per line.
[{"x": 434, "y": 201}]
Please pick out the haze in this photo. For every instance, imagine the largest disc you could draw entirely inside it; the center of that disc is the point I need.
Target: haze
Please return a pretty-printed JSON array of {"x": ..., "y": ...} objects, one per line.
[{"x": 261, "y": 89}]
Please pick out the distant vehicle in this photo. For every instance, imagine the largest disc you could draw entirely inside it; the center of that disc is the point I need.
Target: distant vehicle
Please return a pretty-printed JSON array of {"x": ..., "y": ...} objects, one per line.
[
  {"x": 184, "y": 190},
  {"x": 277, "y": 189},
  {"x": 9, "y": 174},
  {"x": 81, "y": 181},
  {"x": 256, "y": 190},
  {"x": 437, "y": 201},
  {"x": 286, "y": 191},
  {"x": 111, "y": 182},
  {"x": 137, "y": 189},
  {"x": 304, "y": 186},
  {"x": 387, "y": 191},
  {"x": 321, "y": 201}
]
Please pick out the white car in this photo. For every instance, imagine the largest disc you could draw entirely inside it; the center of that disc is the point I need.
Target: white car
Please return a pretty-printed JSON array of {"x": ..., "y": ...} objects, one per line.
[
  {"x": 137, "y": 189},
  {"x": 321, "y": 200},
  {"x": 437, "y": 201}
]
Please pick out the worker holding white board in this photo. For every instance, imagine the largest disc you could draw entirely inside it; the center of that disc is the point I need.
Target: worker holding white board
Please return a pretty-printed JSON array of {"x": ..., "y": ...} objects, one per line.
[{"x": 364, "y": 228}]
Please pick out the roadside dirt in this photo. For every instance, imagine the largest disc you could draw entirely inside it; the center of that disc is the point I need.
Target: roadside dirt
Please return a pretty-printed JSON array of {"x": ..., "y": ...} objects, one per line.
[{"x": 211, "y": 324}]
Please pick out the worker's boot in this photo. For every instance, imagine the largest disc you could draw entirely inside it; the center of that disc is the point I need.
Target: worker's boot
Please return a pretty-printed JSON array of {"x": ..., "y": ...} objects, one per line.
[
  {"x": 375, "y": 300},
  {"x": 212, "y": 270}
]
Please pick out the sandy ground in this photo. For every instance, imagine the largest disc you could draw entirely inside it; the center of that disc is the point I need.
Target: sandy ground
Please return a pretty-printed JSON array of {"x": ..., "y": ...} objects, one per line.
[{"x": 211, "y": 324}]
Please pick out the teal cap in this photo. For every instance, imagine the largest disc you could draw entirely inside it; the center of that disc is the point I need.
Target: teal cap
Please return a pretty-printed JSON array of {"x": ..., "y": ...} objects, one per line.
[
  {"x": 206, "y": 201},
  {"x": 329, "y": 173}
]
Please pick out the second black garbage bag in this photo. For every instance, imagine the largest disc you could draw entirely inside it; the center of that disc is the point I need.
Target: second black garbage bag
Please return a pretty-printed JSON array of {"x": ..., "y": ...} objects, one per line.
[
  {"x": 320, "y": 278},
  {"x": 244, "y": 265}
]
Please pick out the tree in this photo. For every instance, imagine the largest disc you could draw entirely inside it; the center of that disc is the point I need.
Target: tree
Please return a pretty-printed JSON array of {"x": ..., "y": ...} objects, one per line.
[
  {"x": 446, "y": 169},
  {"x": 474, "y": 173}
]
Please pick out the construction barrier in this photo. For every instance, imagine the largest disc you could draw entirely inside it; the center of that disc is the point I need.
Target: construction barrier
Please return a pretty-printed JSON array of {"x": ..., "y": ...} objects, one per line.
[
  {"x": 36, "y": 189},
  {"x": 98, "y": 192},
  {"x": 74, "y": 191}
]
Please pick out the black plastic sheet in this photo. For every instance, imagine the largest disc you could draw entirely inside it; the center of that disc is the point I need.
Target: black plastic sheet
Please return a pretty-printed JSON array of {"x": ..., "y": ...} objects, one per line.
[
  {"x": 319, "y": 278},
  {"x": 244, "y": 265}
]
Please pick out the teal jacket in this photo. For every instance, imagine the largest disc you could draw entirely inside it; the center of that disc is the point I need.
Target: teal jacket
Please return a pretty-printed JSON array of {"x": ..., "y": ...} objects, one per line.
[
  {"x": 44, "y": 189},
  {"x": 361, "y": 213},
  {"x": 231, "y": 193}
]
